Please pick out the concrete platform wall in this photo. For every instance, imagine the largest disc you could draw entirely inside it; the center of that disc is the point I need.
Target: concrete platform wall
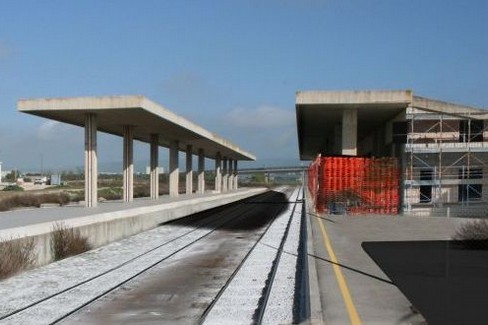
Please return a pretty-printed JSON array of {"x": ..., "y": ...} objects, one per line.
[{"x": 103, "y": 228}]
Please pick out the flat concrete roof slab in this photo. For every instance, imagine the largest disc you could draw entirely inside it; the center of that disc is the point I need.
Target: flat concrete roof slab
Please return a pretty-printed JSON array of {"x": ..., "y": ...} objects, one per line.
[{"x": 147, "y": 117}]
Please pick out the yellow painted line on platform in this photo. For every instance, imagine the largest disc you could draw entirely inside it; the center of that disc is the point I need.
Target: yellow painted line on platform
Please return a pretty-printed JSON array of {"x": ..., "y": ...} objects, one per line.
[{"x": 346, "y": 295}]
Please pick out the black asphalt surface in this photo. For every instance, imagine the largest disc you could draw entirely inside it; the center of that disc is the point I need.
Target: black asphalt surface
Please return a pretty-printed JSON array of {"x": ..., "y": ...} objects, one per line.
[{"x": 447, "y": 281}]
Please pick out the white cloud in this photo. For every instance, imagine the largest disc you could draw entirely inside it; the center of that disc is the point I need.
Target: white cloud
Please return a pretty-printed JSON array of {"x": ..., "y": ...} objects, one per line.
[
  {"x": 261, "y": 117},
  {"x": 48, "y": 129}
]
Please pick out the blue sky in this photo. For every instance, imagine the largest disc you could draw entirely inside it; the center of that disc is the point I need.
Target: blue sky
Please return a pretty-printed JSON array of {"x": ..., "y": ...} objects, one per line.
[{"x": 231, "y": 66}]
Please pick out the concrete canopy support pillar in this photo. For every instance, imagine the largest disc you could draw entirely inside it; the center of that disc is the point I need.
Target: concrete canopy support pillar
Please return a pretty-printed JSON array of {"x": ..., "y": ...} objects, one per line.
[
  {"x": 218, "y": 175},
  {"x": 154, "y": 166},
  {"x": 201, "y": 171},
  {"x": 225, "y": 176},
  {"x": 128, "y": 163},
  {"x": 349, "y": 131},
  {"x": 174, "y": 170},
  {"x": 230, "y": 180},
  {"x": 91, "y": 168},
  {"x": 235, "y": 176},
  {"x": 189, "y": 170}
]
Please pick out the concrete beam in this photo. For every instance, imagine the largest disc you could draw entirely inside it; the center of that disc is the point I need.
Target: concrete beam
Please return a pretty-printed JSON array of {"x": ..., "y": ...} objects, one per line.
[
  {"x": 91, "y": 164},
  {"x": 201, "y": 171},
  {"x": 225, "y": 175},
  {"x": 218, "y": 172},
  {"x": 354, "y": 97},
  {"x": 189, "y": 170},
  {"x": 128, "y": 186},
  {"x": 174, "y": 170},
  {"x": 154, "y": 157},
  {"x": 349, "y": 132}
]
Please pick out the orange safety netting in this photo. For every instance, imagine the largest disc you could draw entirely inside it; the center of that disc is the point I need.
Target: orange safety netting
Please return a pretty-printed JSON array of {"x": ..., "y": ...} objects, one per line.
[{"x": 355, "y": 185}]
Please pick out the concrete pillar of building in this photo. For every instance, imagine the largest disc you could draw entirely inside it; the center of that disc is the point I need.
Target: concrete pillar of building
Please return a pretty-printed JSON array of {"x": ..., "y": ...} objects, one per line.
[
  {"x": 349, "y": 131},
  {"x": 218, "y": 172},
  {"x": 154, "y": 157},
  {"x": 189, "y": 169},
  {"x": 235, "y": 176},
  {"x": 91, "y": 164},
  {"x": 201, "y": 171},
  {"x": 174, "y": 170},
  {"x": 230, "y": 180},
  {"x": 128, "y": 186},
  {"x": 225, "y": 175}
]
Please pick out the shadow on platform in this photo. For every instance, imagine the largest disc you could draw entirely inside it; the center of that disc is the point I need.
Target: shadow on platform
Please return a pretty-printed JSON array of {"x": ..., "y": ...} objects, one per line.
[{"x": 447, "y": 281}]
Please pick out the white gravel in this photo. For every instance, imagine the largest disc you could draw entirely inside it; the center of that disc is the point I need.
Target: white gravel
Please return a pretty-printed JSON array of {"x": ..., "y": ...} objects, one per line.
[
  {"x": 31, "y": 286},
  {"x": 239, "y": 302}
]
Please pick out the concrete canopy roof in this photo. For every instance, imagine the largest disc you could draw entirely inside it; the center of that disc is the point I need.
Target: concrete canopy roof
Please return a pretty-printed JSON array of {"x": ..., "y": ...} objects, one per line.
[
  {"x": 319, "y": 112},
  {"x": 147, "y": 117}
]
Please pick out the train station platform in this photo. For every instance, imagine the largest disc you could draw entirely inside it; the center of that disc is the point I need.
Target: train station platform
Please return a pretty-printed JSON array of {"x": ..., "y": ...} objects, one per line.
[
  {"x": 347, "y": 286},
  {"x": 111, "y": 220}
]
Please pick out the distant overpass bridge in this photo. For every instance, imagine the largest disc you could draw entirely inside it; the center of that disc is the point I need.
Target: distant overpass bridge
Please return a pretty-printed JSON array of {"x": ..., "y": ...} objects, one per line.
[{"x": 272, "y": 170}]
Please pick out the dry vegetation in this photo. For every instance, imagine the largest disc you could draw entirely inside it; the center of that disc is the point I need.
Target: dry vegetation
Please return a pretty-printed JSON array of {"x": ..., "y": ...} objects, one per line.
[
  {"x": 67, "y": 242},
  {"x": 474, "y": 234},
  {"x": 33, "y": 200},
  {"x": 16, "y": 255},
  {"x": 473, "y": 230}
]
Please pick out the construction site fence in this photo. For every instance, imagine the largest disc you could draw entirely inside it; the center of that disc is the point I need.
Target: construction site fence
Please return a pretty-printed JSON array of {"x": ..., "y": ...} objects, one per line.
[{"x": 355, "y": 185}]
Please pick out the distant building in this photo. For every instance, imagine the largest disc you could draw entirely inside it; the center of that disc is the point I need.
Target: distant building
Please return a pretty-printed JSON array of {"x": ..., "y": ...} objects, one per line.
[
  {"x": 160, "y": 170},
  {"x": 441, "y": 147}
]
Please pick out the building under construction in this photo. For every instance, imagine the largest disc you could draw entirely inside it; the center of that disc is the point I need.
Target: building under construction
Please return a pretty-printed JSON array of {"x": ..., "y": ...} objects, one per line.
[{"x": 389, "y": 152}]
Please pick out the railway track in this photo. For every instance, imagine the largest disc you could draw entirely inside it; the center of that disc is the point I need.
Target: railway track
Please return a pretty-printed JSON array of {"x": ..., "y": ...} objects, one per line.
[
  {"x": 264, "y": 294},
  {"x": 69, "y": 302}
]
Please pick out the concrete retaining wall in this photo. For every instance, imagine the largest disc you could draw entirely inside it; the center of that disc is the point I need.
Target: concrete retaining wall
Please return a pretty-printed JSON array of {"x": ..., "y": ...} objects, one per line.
[{"x": 103, "y": 228}]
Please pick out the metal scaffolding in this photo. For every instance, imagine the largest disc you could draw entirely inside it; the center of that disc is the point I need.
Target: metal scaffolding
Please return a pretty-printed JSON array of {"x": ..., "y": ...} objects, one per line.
[{"x": 445, "y": 163}]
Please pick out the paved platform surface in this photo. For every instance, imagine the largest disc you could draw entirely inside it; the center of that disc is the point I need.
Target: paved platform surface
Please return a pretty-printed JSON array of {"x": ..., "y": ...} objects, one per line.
[
  {"x": 352, "y": 288},
  {"x": 30, "y": 216}
]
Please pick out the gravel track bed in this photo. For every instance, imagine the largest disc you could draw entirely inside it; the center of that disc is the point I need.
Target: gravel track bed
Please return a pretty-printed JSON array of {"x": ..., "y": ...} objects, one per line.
[
  {"x": 240, "y": 301},
  {"x": 37, "y": 284},
  {"x": 121, "y": 262}
]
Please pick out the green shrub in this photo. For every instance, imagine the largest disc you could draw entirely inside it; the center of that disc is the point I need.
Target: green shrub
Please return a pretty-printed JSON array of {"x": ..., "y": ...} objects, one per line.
[
  {"x": 111, "y": 193},
  {"x": 14, "y": 188},
  {"x": 15, "y": 255},
  {"x": 67, "y": 242}
]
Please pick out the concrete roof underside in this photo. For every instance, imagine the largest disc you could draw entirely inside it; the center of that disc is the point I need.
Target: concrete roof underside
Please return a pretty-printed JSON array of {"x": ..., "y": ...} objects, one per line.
[
  {"x": 147, "y": 117},
  {"x": 320, "y": 112}
]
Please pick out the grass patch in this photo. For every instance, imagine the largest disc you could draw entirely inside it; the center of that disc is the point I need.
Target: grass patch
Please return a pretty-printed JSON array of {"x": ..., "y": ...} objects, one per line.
[
  {"x": 110, "y": 193},
  {"x": 16, "y": 255},
  {"x": 67, "y": 242}
]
